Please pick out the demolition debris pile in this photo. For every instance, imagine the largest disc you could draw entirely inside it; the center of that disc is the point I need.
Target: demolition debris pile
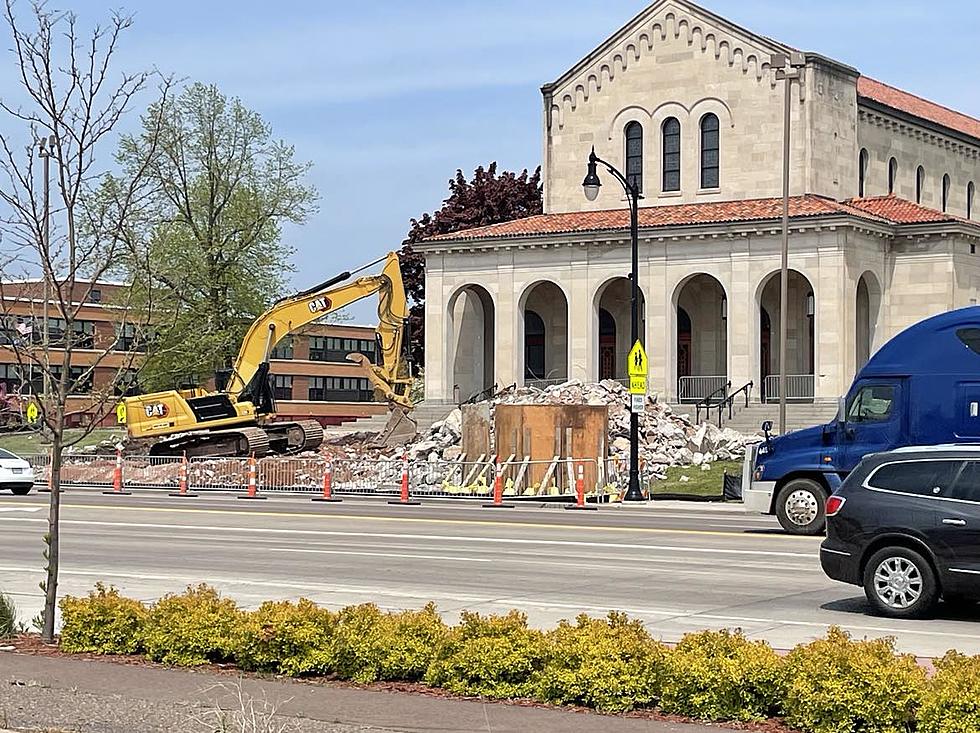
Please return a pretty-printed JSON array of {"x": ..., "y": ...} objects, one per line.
[{"x": 666, "y": 438}]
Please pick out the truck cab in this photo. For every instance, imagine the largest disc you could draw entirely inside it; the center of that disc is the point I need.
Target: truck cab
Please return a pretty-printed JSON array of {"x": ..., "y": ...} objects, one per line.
[{"x": 920, "y": 388}]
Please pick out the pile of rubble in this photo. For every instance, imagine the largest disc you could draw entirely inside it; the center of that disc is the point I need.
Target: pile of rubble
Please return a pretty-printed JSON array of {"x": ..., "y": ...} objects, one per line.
[{"x": 666, "y": 438}]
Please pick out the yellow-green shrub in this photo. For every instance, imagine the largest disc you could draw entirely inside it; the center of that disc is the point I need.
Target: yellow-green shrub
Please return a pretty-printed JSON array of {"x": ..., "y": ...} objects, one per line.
[
  {"x": 195, "y": 627},
  {"x": 493, "y": 656},
  {"x": 951, "y": 701},
  {"x": 610, "y": 664},
  {"x": 293, "y": 639},
  {"x": 103, "y": 622},
  {"x": 370, "y": 645},
  {"x": 721, "y": 675},
  {"x": 836, "y": 685}
]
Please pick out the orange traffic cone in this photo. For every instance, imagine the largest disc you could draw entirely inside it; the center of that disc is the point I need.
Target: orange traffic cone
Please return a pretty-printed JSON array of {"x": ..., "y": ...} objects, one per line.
[
  {"x": 117, "y": 477},
  {"x": 327, "y": 486},
  {"x": 182, "y": 480},
  {"x": 253, "y": 488},
  {"x": 580, "y": 492}
]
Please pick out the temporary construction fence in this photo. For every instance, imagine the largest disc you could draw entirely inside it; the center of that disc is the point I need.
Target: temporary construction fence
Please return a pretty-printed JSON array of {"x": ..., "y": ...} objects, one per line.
[{"x": 519, "y": 477}]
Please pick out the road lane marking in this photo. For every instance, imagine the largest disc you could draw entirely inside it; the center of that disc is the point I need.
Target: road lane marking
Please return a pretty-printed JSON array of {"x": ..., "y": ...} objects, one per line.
[
  {"x": 26, "y": 508},
  {"x": 403, "y": 536},
  {"x": 678, "y": 615},
  {"x": 421, "y": 520}
]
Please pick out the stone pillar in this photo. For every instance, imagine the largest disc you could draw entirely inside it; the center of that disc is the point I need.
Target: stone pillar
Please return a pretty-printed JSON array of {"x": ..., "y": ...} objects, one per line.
[
  {"x": 438, "y": 368},
  {"x": 833, "y": 326},
  {"x": 743, "y": 322},
  {"x": 508, "y": 330},
  {"x": 583, "y": 326},
  {"x": 658, "y": 339}
]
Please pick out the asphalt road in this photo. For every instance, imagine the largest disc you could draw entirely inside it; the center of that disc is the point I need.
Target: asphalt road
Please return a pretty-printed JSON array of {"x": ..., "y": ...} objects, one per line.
[{"x": 678, "y": 567}]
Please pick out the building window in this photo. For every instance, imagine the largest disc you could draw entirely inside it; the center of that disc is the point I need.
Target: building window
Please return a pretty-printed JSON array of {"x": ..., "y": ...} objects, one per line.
[
  {"x": 970, "y": 192},
  {"x": 672, "y": 154},
  {"x": 920, "y": 182},
  {"x": 83, "y": 333},
  {"x": 95, "y": 296},
  {"x": 126, "y": 383},
  {"x": 892, "y": 174},
  {"x": 282, "y": 386},
  {"x": 131, "y": 338},
  {"x": 9, "y": 378},
  {"x": 283, "y": 350},
  {"x": 945, "y": 197},
  {"x": 862, "y": 170},
  {"x": 340, "y": 389},
  {"x": 634, "y": 155},
  {"x": 329, "y": 348},
  {"x": 710, "y": 151}
]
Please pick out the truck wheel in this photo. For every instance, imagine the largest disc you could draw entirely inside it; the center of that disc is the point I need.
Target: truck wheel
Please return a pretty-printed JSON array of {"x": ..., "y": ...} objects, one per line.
[
  {"x": 801, "y": 507},
  {"x": 899, "y": 583}
]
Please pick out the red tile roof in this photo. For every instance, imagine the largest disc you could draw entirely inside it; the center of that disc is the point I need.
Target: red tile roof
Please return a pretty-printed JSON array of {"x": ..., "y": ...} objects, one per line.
[
  {"x": 884, "y": 209},
  {"x": 900, "y": 211},
  {"x": 917, "y": 106}
]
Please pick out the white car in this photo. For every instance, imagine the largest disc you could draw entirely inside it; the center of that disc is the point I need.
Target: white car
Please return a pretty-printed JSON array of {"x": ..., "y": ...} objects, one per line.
[{"x": 16, "y": 474}]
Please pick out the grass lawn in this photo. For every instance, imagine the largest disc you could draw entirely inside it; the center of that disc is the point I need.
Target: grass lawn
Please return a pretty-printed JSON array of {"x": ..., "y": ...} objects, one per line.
[
  {"x": 25, "y": 443},
  {"x": 699, "y": 483}
]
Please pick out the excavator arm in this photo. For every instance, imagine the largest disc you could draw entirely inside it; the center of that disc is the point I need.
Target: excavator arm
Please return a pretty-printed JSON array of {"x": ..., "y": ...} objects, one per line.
[{"x": 249, "y": 378}]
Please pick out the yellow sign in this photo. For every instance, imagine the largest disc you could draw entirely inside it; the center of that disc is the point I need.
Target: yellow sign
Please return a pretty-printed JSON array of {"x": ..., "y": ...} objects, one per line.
[
  {"x": 638, "y": 385},
  {"x": 32, "y": 413},
  {"x": 121, "y": 413},
  {"x": 637, "y": 361}
]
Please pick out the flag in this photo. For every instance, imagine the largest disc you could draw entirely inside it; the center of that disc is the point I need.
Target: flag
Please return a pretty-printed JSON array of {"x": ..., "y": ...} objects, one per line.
[{"x": 24, "y": 328}]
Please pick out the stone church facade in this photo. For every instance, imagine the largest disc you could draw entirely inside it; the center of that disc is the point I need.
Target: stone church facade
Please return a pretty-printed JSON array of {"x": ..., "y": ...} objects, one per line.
[{"x": 883, "y": 231}]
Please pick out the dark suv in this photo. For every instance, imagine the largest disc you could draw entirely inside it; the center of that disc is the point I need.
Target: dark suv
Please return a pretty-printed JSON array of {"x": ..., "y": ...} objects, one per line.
[{"x": 906, "y": 526}]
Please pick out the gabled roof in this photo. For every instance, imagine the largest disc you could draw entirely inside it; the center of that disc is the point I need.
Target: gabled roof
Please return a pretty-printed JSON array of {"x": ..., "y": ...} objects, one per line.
[
  {"x": 882, "y": 210},
  {"x": 916, "y": 106}
]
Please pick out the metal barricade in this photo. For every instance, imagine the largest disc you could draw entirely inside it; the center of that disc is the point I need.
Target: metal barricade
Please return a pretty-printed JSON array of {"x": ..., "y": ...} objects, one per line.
[
  {"x": 150, "y": 472},
  {"x": 219, "y": 474}
]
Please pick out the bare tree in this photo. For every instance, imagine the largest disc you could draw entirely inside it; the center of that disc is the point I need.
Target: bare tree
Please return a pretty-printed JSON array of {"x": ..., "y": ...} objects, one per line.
[{"x": 63, "y": 115}]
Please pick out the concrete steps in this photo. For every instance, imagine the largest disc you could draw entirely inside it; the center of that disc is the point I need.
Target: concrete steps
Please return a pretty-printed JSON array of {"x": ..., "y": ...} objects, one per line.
[
  {"x": 749, "y": 419},
  {"x": 424, "y": 415}
]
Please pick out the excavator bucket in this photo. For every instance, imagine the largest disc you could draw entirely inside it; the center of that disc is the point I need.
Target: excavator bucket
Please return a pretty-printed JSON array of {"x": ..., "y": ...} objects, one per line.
[{"x": 399, "y": 430}]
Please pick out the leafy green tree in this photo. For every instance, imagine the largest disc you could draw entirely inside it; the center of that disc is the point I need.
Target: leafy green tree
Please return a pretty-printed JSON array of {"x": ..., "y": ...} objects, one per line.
[
  {"x": 488, "y": 199},
  {"x": 224, "y": 188}
]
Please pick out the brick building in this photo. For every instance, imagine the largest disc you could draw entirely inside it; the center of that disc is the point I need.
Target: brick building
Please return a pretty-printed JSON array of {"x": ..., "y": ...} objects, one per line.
[{"x": 311, "y": 375}]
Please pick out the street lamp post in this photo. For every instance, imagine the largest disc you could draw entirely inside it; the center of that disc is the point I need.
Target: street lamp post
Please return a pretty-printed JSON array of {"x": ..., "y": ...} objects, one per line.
[
  {"x": 591, "y": 186},
  {"x": 788, "y": 67}
]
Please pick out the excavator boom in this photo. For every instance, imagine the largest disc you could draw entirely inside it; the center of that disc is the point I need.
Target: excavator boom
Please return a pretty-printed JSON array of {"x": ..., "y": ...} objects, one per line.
[{"x": 236, "y": 418}]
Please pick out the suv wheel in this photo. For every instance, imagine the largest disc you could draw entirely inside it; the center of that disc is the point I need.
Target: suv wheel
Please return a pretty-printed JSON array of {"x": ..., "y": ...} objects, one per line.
[
  {"x": 900, "y": 583},
  {"x": 21, "y": 489},
  {"x": 801, "y": 507}
]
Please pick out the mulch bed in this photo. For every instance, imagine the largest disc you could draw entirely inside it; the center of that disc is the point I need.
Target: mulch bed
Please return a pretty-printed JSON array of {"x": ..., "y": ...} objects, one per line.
[{"x": 31, "y": 644}]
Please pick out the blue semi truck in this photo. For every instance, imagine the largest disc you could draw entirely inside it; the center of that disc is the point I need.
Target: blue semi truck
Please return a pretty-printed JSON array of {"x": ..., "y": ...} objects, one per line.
[{"x": 920, "y": 388}]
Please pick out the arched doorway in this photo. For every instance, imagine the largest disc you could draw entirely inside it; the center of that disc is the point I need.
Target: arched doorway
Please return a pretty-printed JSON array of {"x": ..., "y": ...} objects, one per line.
[
  {"x": 613, "y": 298},
  {"x": 702, "y": 338},
  {"x": 471, "y": 347},
  {"x": 800, "y": 342},
  {"x": 868, "y": 302},
  {"x": 545, "y": 334}
]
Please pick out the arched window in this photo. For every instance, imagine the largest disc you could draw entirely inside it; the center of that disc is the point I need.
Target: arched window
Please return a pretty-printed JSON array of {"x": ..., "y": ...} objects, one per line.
[
  {"x": 970, "y": 193},
  {"x": 634, "y": 155},
  {"x": 862, "y": 170},
  {"x": 892, "y": 174},
  {"x": 710, "y": 151},
  {"x": 945, "y": 192},
  {"x": 920, "y": 182},
  {"x": 672, "y": 154}
]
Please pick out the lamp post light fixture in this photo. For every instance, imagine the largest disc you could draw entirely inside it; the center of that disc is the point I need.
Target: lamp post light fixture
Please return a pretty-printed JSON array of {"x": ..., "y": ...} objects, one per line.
[
  {"x": 591, "y": 186},
  {"x": 788, "y": 67}
]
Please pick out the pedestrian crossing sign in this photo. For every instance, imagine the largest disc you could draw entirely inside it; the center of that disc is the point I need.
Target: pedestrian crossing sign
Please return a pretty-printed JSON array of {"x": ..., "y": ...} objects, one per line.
[{"x": 637, "y": 361}]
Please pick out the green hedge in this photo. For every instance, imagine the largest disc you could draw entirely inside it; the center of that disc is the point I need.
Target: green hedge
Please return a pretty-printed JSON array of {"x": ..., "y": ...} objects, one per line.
[{"x": 832, "y": 685}]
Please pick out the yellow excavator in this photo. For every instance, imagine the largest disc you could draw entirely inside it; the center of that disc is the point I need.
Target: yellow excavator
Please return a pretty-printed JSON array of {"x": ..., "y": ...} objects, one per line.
[{"x": 238, "y": 418}]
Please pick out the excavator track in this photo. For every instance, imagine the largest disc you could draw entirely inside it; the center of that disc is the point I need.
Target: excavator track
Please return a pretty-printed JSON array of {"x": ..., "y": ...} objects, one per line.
[
  {"x": 215, "y": 443},
  {"x": 288, "y": 438}
]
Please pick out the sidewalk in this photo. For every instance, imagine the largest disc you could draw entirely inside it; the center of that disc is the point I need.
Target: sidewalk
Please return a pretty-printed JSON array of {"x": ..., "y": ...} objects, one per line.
[{"x": 86, "y": 696}]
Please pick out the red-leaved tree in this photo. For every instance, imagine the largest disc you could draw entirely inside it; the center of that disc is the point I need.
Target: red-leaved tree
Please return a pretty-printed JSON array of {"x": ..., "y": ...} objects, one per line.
[{"x": 487, "y": 199}]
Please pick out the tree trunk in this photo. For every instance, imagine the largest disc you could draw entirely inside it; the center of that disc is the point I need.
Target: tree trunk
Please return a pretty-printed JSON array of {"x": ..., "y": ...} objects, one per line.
[{"x": 53, "y": 538}]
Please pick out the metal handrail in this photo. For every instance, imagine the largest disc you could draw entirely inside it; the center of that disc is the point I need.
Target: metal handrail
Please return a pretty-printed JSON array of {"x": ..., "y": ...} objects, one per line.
[
  {"x": 730, "y": 400},
  {"x": 706, "y": 402}
]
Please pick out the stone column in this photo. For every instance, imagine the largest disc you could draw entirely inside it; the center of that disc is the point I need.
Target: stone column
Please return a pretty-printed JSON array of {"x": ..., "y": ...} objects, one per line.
[
  {"x": 508, "y": 329},
  {"x": 743, "y": 321},
  {"x": 658, "y": 339},
  {"x": 582, "y": 326},
  {"x": 833, "y": 325},
  {"x": 438, "y": 368}
]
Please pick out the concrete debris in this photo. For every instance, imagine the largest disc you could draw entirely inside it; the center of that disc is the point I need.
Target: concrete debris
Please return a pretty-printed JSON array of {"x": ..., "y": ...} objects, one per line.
[{"x": 666, "y": 438}]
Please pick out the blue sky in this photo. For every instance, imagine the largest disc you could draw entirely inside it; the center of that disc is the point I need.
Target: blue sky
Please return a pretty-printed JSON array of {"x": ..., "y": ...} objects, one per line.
[{"x": 388, "y": 97}]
